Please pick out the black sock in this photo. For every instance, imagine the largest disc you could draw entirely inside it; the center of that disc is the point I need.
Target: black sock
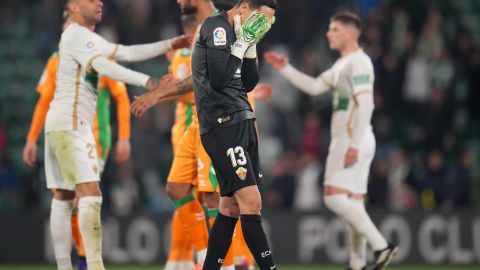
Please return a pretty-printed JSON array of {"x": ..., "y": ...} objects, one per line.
[
  {"x": 219, "y": 241},
  {"x": 257, "y": 241}
]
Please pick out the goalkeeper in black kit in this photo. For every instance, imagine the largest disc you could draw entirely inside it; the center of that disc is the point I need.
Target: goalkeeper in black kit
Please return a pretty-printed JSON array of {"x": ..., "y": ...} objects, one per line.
[{"x": 224, "y": 70}]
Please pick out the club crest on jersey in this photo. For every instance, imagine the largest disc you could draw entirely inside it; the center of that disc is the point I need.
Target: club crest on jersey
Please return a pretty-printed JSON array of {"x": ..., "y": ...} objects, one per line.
[
  {"x": 90, "y": 44},
  {"x": 219, "y": 36},
  {"x": 241, "y": 173}
]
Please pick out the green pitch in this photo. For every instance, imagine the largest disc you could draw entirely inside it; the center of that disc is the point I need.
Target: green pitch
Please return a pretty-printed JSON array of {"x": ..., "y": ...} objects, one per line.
[{"x": 290, "y": 267}]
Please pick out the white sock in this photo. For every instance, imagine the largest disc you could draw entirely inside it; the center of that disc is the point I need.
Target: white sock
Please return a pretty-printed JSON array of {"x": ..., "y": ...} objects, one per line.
[
  {"x": 357, "y": 217},
  {"x": 357, "y": 243},
  {"x": 90, "y": 225},
  {"x": 174, "y": 265},
  {"x": 201, "y": 256},
  {"x": 61, "y": 230}
]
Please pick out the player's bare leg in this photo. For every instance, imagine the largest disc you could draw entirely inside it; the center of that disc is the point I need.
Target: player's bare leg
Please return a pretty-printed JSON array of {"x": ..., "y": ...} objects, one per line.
[
  {"x": 60, "y": 227},
  {"x": 90, "y": 223}
]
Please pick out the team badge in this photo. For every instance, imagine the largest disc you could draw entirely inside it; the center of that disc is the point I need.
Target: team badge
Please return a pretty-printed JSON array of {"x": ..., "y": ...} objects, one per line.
[
  {"x": 219, "y": 36},
  {"x": 241, "y": 173}
]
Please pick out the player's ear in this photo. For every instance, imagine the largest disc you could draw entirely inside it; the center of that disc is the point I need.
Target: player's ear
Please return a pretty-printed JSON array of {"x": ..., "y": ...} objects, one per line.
[
  {"x": 72, "y": 6},
  {"x": 244, "y": 9}
]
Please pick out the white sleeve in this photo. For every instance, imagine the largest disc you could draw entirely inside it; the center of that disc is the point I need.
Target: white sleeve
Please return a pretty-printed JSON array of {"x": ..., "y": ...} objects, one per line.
[
  {"x": 362, "y": 75},
  {"x": 308, "y": 84},
  {"x": 142, "y": 52},
  {"x": 117, "y": 72},
  {"x": 363, "y": 116}
]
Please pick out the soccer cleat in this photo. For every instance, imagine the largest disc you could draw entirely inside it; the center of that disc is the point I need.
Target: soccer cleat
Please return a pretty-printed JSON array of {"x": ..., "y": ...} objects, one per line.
[
  {"x": 82, "y": 263},
  {"x": 384, "y": 257}
]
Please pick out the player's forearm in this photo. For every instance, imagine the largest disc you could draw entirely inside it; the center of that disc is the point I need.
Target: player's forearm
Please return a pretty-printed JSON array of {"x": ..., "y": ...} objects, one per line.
[
  {"x": 176, "y": 89},
  {"x": 362, "y": 118},
  {"x": 142, "y": 52},
  {"x": 119, "y": 73},
  {"x": 250, "y": 74},
  {"x": 307, "y": 84}
]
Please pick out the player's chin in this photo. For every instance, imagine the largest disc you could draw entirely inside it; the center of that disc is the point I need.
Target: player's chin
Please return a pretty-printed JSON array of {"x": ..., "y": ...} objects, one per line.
[{"x": 98, "y": 18}]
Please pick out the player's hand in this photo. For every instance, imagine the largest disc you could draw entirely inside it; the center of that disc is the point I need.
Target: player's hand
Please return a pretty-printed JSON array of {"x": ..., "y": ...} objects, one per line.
[
  {"x": 166, "y": 79},
  {"x": 263, "y": 91},
  {"x": 182, "y": 41},
  {"x": 30, "y": 153},
  {"x": 351, "y": 157},
  {"x": 122, "y": 151},
  {"x": 143, "y": 103},
  {"x": 276, "y": 60},
  {"x": 253, "y": 29}
]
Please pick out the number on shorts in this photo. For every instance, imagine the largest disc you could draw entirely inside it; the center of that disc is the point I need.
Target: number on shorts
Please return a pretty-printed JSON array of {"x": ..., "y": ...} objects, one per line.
[
  {"x": 91, "y": 148},
  {"x": 242, "y": 160}
]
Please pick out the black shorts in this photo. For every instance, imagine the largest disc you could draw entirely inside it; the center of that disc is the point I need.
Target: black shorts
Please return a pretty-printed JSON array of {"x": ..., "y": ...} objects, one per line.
[{"x": 233, "y": 150}]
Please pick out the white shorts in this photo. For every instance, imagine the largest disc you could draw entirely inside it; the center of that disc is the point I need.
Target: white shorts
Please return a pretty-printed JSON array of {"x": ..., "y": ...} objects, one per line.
[
  {"x": 353, "y": 178},
  {"x": 71, "y": 158}
]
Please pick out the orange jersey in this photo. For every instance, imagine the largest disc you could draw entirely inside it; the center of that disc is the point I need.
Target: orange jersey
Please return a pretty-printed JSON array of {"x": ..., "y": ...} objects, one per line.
[
  {"x": 185, "y": 112},
  {"x": 46, "y": 89}
]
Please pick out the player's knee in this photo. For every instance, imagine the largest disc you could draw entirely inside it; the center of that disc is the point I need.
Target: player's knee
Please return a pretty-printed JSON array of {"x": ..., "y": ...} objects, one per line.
[
  {"x": 212, "y": 199},
  {"x": 337, "y": 203},
  {"x": 252, "y": 207},
  {"x": 177, "y": 192},
  {"x": 61, "y": 194},
  {"x": 88, "y": 189},
  {"x": 230, "y": 210}
]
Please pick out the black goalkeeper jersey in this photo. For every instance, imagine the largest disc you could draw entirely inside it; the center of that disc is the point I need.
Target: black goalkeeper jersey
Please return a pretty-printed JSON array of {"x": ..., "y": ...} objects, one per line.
[{"x": 220, "y": 80}]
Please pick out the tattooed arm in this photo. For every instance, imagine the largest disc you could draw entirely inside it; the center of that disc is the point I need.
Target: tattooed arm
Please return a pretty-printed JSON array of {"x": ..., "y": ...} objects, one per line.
[{"x": 160, "y": 93}]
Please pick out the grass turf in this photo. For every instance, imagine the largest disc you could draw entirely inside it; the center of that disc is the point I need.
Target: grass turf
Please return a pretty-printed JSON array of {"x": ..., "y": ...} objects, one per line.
[{"x": 289, "y": 267}]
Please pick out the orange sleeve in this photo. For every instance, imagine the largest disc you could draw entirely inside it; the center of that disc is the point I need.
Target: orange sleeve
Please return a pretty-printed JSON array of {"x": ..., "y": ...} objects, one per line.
[
  {"x": 46, "y": 88},
  {"x": 180, "y": 68},
  {"x": 119, "y": 93},
  {"x": 49, "y": 75}
]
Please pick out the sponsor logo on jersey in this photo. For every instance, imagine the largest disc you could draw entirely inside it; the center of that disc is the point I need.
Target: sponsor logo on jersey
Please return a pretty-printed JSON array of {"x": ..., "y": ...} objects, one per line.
[
  {"x": 241, "y": 173},
  {"x": 238, "y": 74},
  {"x": 361, "y": 79},
  {"x": 223, "y": 119},
  {"x": 219, "y": 36}
]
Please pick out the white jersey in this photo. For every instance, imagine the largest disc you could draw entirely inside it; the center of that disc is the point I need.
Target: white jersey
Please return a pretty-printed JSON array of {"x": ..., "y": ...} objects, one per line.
[
  {"x": 76, "y": 93},
  {"x": 348, "y": 77}
]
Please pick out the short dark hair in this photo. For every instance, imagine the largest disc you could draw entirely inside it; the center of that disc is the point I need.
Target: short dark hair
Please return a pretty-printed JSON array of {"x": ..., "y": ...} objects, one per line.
[
  {"x": 258, "y": 3},
  {"x": 347, "y": 17}
]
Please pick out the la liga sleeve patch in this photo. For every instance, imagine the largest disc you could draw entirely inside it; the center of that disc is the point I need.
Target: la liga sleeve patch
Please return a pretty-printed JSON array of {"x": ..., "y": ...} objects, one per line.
[{"x": 219, "y": 36}]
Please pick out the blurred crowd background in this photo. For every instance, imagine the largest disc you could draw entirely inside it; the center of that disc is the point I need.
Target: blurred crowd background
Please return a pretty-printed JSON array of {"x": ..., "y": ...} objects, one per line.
[{"x": 426, "y": 56}]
